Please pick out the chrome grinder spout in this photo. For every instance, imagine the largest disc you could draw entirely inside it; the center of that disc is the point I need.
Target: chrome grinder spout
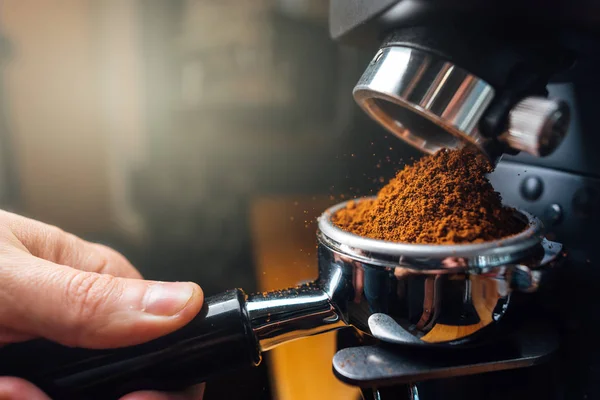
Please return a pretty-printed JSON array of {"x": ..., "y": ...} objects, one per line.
[{"x": 432, "y": 103}]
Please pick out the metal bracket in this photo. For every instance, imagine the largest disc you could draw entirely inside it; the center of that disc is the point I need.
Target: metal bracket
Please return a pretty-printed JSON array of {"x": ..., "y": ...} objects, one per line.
[{"x": 386, "y": 365}]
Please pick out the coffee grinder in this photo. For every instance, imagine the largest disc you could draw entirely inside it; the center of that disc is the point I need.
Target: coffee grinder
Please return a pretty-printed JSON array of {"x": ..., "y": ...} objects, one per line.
[{"x": 507, "y": 77}]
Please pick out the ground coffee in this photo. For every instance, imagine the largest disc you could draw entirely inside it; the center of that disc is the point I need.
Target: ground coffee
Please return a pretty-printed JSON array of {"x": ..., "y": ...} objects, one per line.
[{"x": 444, "y": 198}]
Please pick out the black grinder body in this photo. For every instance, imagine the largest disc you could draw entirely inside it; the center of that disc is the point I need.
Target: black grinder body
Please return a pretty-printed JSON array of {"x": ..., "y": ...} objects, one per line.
[{"x": 522, "y": 48}]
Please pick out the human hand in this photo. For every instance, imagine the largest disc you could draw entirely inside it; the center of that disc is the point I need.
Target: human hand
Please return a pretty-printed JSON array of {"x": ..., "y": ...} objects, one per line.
[{"x": 59, "y": 287}]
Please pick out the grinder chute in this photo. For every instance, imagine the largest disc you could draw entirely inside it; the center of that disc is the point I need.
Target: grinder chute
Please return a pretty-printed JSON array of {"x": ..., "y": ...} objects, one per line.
[{"x": 423, "y": 87}]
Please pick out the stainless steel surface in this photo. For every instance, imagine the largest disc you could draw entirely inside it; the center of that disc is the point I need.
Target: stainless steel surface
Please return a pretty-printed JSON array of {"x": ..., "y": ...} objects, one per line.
[
  {"x": 383, "y": 327},
  {"x": 537, "y": 125},
  {"x": 515, "y": 277},
  {"x": 402, "y": 293},
  {"x": 378, "y": 366},
  {"x": 282, "y": 316},
  {"x": 423, "y": 99}
]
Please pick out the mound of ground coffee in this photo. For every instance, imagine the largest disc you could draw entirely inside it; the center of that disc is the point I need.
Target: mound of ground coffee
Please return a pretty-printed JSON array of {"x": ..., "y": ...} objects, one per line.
[{"x": 444, "y": 198}]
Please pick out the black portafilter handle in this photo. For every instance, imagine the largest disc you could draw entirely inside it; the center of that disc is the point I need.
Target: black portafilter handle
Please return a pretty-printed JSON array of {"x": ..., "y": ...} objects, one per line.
[{"x": 219, "y": 340}]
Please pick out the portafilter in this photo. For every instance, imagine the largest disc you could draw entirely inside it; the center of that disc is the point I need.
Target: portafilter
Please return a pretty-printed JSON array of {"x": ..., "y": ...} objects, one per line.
[{"x": 408, "y": 294}]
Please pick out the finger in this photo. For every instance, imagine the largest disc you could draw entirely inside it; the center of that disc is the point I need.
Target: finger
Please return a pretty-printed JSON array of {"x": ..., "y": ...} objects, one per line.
[
  {"x": 53, "y": 244},
  {"x": 86, "y": 309},
  {"x": 104, "y": 260},
  {"x": 8, "y": 335},
  {"x": 19, "y": 389},
  {"x": 194, "y": 393}
]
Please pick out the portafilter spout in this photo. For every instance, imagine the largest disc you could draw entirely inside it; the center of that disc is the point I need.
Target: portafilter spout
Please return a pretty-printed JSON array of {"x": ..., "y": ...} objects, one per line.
[{"x": 284, "y": 315}]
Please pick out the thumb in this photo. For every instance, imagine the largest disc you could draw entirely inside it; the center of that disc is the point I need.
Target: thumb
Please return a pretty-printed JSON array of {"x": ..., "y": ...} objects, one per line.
[{"x": 87, "y": 309}]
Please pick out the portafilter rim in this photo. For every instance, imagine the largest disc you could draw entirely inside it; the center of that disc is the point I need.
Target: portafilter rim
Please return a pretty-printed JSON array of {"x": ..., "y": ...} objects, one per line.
[{"x": 479, "y": 256}]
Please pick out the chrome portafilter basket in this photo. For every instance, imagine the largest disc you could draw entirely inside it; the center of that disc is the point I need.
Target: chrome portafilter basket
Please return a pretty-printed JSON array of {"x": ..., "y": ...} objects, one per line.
[{"x": 419, "y": 294}]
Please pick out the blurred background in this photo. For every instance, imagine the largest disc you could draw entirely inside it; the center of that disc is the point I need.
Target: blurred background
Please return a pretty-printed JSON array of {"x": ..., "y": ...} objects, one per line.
[{"x": 201, "y": 138}]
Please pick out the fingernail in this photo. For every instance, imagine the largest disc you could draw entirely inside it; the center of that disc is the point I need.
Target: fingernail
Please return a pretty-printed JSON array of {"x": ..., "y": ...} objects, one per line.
[{"x": 167, "y": 298}]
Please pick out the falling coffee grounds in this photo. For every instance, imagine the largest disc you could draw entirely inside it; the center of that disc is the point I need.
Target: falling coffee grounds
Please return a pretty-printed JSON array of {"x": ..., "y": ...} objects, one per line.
[{"x": 444, "y": 198}]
